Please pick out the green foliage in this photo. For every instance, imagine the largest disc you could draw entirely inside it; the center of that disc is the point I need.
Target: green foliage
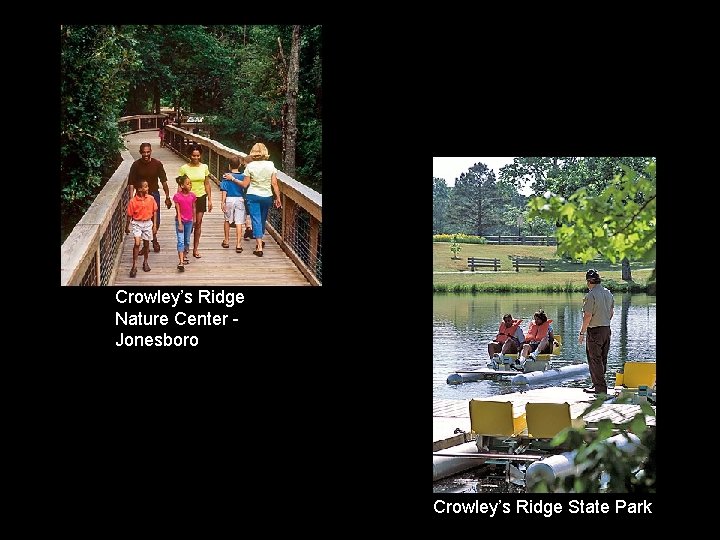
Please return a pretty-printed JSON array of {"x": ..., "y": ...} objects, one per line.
[
  {"x": 604, "y": 467},
  {"x": 233, "y": 72},
  {"x": 256, "y": 102},
  {"x": 455, "y": 247},
  {"x": 476, "y": 202},
  {"x": 441, "y": 198},
  {"x": 233, "y": 75},
  {"x": 248, "y": 105},
  {"x": 480, "y": 204},
  {"x": 560, "y": 274},
  {"x": 623, "y": 286},
  {"x": 529, "y": 170},
  {"x": 309, "y": 153},
  {"x": 95, "y": 62},
  {"x": 618, "y": 222},
  {"x": 567, "y": 287},
  {"x": 565, "y": 175},
  {"x": 459, "y": 238}
]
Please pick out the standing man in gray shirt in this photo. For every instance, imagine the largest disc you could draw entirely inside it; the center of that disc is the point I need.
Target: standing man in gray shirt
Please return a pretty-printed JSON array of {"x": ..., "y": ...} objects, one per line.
[{"x": 598, "y": 307}]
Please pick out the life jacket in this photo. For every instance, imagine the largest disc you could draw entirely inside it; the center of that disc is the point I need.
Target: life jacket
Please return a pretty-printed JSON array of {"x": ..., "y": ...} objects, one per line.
[
  {"x": 537, "y": 332},
  {"x": 504, "y": 332}
]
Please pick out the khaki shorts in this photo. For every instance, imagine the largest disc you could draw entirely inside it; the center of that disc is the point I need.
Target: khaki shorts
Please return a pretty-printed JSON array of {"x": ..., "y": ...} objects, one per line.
[
  {"x": 142, "y": 229},
  {"x": 235, "y": 210}
]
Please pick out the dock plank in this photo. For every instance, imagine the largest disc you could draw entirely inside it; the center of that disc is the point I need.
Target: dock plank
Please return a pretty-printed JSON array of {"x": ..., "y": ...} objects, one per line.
[{"x": 617, "y": 413}]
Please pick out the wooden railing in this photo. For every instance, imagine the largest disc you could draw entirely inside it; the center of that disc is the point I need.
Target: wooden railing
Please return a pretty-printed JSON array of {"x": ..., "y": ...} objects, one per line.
[
  {"x": 140, "y": 122},
  {"x": 296, "y": 227},
  {"x": 90, "y": 254}
]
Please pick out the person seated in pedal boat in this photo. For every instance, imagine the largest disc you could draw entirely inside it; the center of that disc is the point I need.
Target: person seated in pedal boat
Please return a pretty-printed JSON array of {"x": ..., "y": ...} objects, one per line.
[
  {"x": 538, "y": 340},
  {"x": 508, "y": 339}
]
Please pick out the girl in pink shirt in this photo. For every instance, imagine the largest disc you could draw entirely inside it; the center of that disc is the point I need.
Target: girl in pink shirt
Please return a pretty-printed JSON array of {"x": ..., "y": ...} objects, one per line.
[{"x": 184, "y": 212}]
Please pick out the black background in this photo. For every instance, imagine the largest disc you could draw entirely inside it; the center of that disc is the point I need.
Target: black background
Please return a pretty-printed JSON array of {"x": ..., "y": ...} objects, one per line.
[{"x": 270, "y": 419}]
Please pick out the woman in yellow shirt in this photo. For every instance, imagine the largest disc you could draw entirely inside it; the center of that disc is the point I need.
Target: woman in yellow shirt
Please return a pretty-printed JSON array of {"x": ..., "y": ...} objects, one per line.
[{"x": 199, "y": 175}]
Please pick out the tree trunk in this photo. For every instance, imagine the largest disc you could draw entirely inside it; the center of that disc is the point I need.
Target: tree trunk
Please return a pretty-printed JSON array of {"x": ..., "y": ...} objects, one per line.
[
  {"x": 626, "y": 275},
  {"x": 479, "y": 216},
  {"x": 651, "y": 283},
  {"x": 290, "y": 107},
  {"x": 156, "y": 98}
]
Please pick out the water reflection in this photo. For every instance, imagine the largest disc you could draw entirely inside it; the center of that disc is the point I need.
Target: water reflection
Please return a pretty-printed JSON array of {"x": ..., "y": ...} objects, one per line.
[{"x": 464, "y": 324}]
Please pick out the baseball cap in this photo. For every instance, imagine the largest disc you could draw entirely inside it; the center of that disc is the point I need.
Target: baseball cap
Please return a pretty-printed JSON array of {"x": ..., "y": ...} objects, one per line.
[{"x": 592, "y": 276}]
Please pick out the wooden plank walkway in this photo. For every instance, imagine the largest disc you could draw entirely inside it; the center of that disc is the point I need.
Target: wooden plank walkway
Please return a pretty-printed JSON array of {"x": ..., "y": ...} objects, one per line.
[{"x": 218, "y": 266}]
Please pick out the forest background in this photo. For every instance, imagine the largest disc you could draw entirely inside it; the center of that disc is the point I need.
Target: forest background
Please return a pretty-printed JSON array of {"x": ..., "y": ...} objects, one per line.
[
  {"x": 482, "y": 204},
  {"x": 594, "y": 206},
  {"x": 251, "y": 83}
]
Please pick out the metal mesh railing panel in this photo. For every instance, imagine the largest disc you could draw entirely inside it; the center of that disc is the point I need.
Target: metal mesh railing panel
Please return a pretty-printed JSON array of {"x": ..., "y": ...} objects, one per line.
[
  {"x": 111, "y": 241},
  {"x": 297, "y": 235},
  {"x": 88, "y": 279}
]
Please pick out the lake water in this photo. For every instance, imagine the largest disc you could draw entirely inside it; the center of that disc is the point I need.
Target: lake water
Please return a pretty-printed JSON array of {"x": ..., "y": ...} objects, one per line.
[{"x": 463, "y": 324}]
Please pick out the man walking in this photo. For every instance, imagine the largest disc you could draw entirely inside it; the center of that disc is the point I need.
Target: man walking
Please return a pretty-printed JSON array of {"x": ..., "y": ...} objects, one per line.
[
  {"x": 150, "y": 169},
  {"x": 597, "y": 311}
]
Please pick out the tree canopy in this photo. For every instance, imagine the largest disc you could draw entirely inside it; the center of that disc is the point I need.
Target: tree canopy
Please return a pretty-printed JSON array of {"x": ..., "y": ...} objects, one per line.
[
  {"x": 94, "y": 64},
  {"x": 616, "y": 223},
  {"x": 586, "y": 187},
  {"x": 233, "y": 74}
]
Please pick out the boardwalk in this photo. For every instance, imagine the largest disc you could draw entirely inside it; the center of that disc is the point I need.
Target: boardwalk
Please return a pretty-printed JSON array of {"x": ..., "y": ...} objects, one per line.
[{"x": 218, "y": 266}]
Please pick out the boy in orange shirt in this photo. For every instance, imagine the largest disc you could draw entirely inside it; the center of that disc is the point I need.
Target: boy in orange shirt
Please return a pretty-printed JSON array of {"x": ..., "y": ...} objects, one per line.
[{"x": 142, "y": 210}]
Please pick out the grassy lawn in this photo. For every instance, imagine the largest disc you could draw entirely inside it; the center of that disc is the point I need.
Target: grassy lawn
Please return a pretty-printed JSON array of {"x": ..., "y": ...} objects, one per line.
[{"x": 558, "y": 275}]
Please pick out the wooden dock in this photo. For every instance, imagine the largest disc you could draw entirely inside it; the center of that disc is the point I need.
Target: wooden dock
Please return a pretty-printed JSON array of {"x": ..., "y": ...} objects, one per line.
[{"x": 452, "y": 414}]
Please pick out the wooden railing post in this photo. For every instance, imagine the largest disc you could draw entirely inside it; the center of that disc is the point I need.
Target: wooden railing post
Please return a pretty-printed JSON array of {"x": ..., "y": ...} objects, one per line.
[
  {"x": 97, "y": 266},
  {"x": 289, "y": 210}
]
